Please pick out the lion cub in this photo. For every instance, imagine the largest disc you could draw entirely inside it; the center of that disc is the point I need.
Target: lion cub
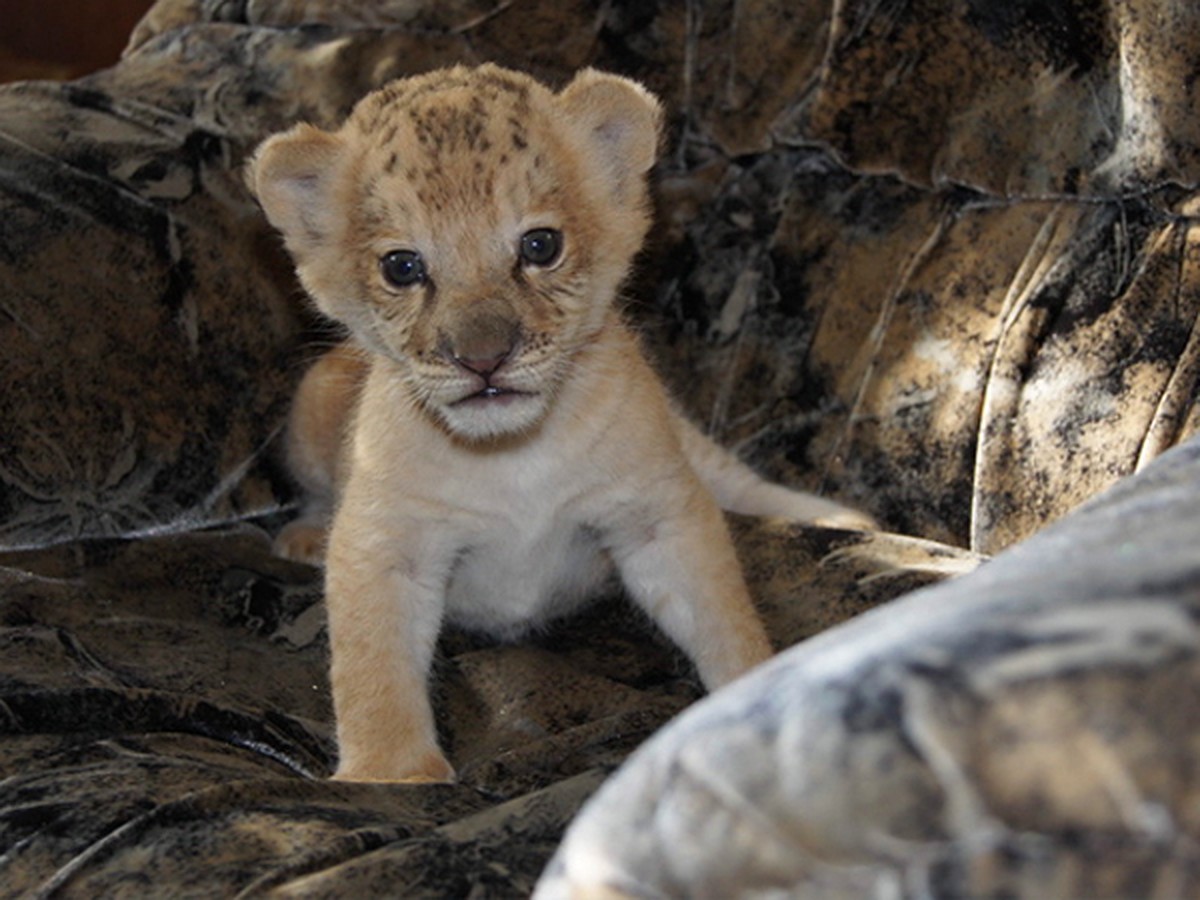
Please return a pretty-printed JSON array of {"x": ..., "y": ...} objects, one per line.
[{"x": 495, "y": 439}]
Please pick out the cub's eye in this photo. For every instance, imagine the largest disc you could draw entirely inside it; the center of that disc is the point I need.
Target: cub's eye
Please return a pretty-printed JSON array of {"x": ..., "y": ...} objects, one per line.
[
  {"x": 402, "y": 268},
  {"x": 541, "y": 246}
]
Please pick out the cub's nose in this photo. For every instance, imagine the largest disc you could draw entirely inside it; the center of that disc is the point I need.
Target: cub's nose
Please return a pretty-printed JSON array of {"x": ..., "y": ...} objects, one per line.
[
  {"x": 481, "y": 366},
  {"x": 481, "y": 344}
]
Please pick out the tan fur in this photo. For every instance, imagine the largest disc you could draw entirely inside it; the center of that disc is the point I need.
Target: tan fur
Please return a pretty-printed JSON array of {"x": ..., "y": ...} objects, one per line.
[{"x": 497, "y": 512}]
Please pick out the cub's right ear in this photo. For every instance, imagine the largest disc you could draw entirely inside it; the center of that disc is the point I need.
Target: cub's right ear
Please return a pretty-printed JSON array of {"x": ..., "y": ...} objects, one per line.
[
  {"x": 619, "y": 121},
  {"x": 292, "y": 176}
]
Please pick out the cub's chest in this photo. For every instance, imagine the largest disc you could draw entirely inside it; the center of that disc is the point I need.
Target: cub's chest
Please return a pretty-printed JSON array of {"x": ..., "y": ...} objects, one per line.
[{"x": 531, "y": 562}]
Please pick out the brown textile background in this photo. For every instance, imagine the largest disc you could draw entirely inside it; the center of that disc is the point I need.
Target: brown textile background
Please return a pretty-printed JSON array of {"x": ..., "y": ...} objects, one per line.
[{"x": 935, "y": 258}]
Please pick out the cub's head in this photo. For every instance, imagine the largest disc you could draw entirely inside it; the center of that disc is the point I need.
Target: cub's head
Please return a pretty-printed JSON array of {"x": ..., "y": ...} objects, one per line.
[{"x": 472, "y": 226}]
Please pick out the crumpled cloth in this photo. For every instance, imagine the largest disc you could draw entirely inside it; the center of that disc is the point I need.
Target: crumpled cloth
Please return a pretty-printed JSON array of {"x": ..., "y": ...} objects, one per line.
[
  {"x": 937, "y": 263},
  {"x": 936, "y": 260},
  {"x": 1028, "y": 730}
]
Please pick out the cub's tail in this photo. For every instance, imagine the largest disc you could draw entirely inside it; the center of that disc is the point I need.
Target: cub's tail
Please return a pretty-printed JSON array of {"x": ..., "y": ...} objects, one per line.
[{"x": 739, "y": 489}]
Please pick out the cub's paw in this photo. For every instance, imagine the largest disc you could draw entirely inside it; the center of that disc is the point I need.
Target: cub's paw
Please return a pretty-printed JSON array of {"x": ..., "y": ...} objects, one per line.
[
  {"x": 430, "y": 768},
  {"x": 302, "y": 541}
]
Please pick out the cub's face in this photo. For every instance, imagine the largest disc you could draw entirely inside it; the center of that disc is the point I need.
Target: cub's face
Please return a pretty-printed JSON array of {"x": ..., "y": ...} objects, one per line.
[{"x": 471, "y": 226}]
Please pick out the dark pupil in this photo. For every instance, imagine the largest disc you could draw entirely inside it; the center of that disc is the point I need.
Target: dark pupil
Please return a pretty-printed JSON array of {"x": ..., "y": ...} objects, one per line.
[
  {"x": 541, "y": 246},
  {"x": 403, "y": 267}
]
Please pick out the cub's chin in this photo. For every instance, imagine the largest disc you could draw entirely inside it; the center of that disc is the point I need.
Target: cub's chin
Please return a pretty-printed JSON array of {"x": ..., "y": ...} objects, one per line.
[{"x": 492, "y": 414}]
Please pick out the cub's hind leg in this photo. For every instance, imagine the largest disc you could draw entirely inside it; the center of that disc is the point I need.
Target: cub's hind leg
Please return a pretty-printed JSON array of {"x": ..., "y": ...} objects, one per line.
[
  {"x": 319, "y": 421},
  {"x": 739, "y": 489}
]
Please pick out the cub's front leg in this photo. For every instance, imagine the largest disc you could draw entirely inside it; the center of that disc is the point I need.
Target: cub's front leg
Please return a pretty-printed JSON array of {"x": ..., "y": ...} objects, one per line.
[
  {"x": 384, "y": 587},
  {"x": 677, "y": 561}
]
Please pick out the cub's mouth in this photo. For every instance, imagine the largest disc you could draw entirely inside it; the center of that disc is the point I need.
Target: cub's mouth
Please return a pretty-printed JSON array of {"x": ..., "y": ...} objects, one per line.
[
  {"x": 491, "y": 396},
  {"x": 486, "y": 411}
]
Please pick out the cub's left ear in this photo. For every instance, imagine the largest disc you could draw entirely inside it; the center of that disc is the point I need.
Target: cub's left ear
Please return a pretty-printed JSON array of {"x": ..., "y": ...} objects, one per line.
[{"x": 619, "y": 121}]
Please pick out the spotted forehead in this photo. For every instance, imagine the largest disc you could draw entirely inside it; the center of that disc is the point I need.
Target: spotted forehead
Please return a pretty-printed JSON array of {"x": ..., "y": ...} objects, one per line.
[
  {"x": 453, "y": 111},
  {"x": 458, "y": 139}
]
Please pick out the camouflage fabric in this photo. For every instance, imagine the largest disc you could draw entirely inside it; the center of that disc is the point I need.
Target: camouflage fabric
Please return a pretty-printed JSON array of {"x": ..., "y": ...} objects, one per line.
[
  {"x": 932, "y": 258},
  {"x": 1026, "y": 731}
]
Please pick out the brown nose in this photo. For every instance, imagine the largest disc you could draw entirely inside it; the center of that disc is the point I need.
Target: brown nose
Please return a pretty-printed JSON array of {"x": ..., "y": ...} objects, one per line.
[
  {"x": 482, "y": 343},
  {"x": 482, "y": 367}
]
